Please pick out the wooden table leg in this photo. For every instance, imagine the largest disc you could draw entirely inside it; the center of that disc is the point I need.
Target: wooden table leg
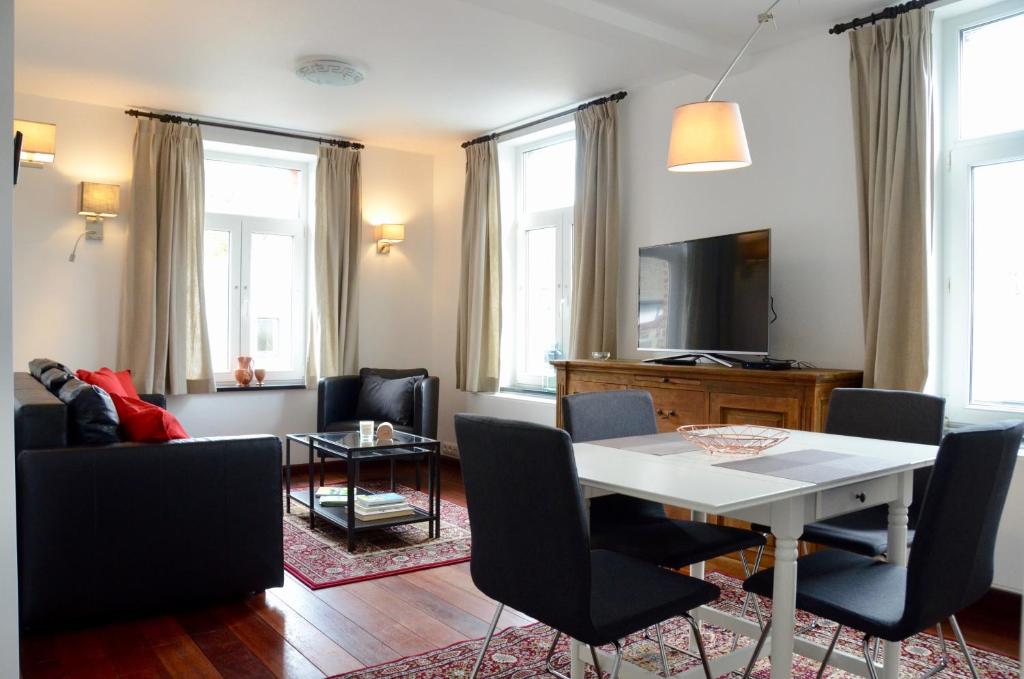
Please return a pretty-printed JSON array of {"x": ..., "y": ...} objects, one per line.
[
  {"x": 897, "y": 554},
  {"x": 787, "y": 526}
]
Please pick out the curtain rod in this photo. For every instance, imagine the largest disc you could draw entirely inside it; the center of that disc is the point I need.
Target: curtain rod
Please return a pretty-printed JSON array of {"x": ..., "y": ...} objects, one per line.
[
  {"x": 171, "y": 118},
  {"x": 618, "y": 96},
  {"x": 887, "y": 13}
]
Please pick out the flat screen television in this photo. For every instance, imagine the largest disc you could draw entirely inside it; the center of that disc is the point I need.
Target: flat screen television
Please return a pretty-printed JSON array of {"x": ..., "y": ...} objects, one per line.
[{"x": 706, "y": 296}]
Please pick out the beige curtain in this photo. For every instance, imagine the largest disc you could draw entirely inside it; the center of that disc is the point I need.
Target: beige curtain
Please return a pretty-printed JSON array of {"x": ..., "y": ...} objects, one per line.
[
  {"x": 479, "y": 329},
  {"x": 163, "y": 334},
  {"x": 595, "y": 265},
  {"x": 890, "y": 76},
  {"x": 334, "y": 340}
]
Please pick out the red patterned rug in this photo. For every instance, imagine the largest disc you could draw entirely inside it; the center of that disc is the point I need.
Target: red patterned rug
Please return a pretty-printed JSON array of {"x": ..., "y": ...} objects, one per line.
[
  {"x": 518, "y": 652},
  {"x": 319, "y": 557}
]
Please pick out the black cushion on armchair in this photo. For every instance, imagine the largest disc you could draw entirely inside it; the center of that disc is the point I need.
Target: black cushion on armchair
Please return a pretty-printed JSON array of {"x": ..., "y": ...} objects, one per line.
[{"x": 338, "y": 400}]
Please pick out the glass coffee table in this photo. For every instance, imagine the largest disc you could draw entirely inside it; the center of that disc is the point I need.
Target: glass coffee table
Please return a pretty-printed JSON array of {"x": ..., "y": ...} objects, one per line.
[{"x": 349, "y": 446}]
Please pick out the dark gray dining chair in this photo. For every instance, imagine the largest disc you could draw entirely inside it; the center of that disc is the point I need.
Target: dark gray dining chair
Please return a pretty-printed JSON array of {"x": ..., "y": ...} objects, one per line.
[
  {"x": 950, "y": 567},
  {"x": 905, "y": 416},
  {"x": 531, "y": 549},
  {"x": 637, "y": 527}
]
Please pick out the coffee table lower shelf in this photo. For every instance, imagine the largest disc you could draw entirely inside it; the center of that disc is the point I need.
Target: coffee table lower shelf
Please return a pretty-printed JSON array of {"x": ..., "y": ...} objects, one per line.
[{"x": 338, "y": 515}]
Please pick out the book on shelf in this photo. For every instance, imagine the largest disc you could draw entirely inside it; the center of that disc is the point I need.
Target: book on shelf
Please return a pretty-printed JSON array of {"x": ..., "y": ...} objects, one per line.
[
  {"x": 341, "y": 491},
  {"x": 333, "y": 500},
  {"x": 381, "y": 514},
  {"x": 381, "y": 499}
]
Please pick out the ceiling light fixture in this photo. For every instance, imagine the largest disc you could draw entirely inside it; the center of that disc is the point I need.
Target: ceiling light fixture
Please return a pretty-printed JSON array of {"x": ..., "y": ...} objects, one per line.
[
  {"x": 708, "y": 136},
  {"x": 329, "y": 71}
]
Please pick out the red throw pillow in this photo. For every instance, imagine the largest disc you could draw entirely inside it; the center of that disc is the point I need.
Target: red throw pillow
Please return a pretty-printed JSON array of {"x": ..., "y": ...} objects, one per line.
[
  {"x": 119, "y": 382},
  {"x": 143, "y": 422}
]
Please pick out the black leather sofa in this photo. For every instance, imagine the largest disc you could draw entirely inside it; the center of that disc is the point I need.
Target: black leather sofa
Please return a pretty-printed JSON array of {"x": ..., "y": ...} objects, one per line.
[{"x": 108, "y": 531}]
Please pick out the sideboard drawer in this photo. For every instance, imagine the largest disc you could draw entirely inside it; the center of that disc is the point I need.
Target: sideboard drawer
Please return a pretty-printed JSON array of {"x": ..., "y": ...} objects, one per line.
[
  {"x": 853, "y": 498},
  {"x": 645, "y": 381}
]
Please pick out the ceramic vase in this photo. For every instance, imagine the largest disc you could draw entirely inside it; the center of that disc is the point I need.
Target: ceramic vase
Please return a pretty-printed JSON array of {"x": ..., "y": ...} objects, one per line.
[{"x": 244, "y": 371}]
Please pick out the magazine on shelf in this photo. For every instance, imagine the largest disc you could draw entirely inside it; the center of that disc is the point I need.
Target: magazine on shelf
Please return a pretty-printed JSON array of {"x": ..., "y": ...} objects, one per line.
[
  {"x": 390, "y": 513},
  {"x": 381, "y": 499}
]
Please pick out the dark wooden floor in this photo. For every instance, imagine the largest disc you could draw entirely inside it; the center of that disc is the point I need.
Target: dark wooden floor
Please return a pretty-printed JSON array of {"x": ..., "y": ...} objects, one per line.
[{"x": 295, "y": 632}]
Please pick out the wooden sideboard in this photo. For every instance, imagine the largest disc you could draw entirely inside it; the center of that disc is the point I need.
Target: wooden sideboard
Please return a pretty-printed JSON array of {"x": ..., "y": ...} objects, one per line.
[{"x": 712, "y": 394}]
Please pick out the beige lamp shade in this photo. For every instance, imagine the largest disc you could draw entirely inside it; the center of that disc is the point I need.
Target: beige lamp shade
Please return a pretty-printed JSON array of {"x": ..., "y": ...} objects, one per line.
[
  {"x": 39, "y": 144},
  {"x": 706, "y": 137},
  {"x": 391, "y": 233},
  {"x": 99, "y": 200}
]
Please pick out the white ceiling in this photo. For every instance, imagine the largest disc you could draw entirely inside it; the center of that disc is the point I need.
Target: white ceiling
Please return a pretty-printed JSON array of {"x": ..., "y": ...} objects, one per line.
[{"x": 438, "y": 71}]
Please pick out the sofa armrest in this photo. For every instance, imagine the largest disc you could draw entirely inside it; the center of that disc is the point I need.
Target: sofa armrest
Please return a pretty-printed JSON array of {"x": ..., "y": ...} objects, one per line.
[
  {"x": 146, "y": 526},
  {"x": 336, "y": 399},
  {"x": 424, "y": 417},
  {"x": 155, "y": 399}
]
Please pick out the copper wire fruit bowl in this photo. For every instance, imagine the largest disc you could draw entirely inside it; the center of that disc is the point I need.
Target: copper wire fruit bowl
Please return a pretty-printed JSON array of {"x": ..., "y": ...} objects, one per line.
[{"x": 743, "y": 439}]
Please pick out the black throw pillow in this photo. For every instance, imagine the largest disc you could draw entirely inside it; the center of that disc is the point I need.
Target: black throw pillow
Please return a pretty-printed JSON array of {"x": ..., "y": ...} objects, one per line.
[
  {"x": 389, "y": 400},
  {"x": 55, "y": 378},
  {"x": 37, "y": 366},
  {"x": 91, "y": 414}
]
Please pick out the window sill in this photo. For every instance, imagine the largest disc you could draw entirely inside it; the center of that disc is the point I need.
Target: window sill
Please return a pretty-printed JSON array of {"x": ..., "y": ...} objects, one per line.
[
  {"x": 267, "y": 386},
  {"x": 530, "y": 396}
]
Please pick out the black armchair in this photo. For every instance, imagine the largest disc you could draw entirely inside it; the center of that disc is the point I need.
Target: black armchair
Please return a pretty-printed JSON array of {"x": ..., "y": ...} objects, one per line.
[{"x": 338, "y": 407}]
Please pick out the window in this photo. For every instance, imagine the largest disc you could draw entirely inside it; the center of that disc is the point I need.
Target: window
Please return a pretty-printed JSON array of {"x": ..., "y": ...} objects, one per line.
[
  {"x": 254, "y": 262},
  {"x": 980, "y": 212},
  {"x": 538, "y": 187}
]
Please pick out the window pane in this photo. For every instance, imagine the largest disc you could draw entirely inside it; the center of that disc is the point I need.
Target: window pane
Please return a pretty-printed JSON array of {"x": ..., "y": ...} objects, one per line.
[
  {"x": 991, "y": 96},
  {"x": 549, "y": 177},
  {"x": 270, "y": 301},
  {"x": 217, "y": 290},
  {"x": 998, "y": 284},
  {"x": 238, "y": 188},
  {"x": 540, "y": 334}
]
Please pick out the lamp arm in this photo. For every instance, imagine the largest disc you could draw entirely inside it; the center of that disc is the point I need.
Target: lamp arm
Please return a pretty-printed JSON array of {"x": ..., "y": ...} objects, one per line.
[{"x": 762, "y": 19}]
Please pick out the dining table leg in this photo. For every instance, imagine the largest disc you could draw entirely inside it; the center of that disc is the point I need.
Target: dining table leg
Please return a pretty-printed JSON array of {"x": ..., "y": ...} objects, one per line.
[
  {"x": 787, "y": 527},
  {"x": 897, "y": 554}
]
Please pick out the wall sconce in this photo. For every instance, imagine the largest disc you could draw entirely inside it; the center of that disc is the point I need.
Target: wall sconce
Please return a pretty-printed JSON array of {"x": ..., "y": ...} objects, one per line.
[
  {"x": 388, "y": 235},
  {"x": 38, "y": 144},
  {"x": 96, "y": 202}
]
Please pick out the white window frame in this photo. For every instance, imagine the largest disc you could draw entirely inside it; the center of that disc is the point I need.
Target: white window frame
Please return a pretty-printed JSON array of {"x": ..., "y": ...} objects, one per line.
[
  {"x": 956, "y": 159},
  {"x": 241, "y": 229},
  {"x": 560, "y": 218}
]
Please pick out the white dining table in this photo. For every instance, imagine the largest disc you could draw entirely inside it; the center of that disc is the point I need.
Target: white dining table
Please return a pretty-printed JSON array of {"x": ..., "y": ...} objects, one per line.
[{"x": 693, "y": 479}]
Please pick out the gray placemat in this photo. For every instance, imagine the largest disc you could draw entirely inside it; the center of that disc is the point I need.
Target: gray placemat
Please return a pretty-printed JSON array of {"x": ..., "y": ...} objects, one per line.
[
  {"x": 652, "y": 444},
  {"x": 810, "y": 466}
]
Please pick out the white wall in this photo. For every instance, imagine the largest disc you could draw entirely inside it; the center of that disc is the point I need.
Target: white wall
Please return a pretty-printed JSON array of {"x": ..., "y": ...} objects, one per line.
[
  {"x": 8, "y": 531},
  {"x": 796, "y": 108},
  {"x": 70, "y": 311}
]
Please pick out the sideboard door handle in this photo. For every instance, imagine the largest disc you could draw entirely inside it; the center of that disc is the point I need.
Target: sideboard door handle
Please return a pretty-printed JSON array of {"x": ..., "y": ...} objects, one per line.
[{"x": 861, "y": 496}]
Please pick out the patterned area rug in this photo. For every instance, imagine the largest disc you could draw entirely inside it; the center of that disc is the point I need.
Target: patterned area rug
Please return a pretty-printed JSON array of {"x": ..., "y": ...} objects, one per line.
[
  {"x": 518, "y": 652},
  {"x": 319, "y": 557}
]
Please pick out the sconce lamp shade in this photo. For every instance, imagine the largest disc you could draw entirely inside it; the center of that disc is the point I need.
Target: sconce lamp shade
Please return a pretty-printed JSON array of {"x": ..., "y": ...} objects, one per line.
[
  {"x": 708, "y": 136},
  {"x": 387, "y": 234},
  {"x": 391, "y": 233},
  {"x": 39, "y": 143},
  {"x": 99, "y": 200}
]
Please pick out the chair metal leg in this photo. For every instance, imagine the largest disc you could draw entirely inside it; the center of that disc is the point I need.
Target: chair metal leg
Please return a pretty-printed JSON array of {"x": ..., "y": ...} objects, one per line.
[
  {"x": 963, "y": 646},
  {"x": 618, "y": 661},
  {"x": 749, "y": 597},
  {"x": 487, "y": 640},
  {"x": 943, "y": 661},
  {"x": 551, "y": 653},
  {"x": 757, "y": 649},
  {"x": 877, "y": 649},
  {"x": 869, "y": 659},
  {"x": 661, "y": 649},
  {"x": 700, "y": 645},
  {"x": 828, "y": 653},
  {"x": 597, "y": 663}
]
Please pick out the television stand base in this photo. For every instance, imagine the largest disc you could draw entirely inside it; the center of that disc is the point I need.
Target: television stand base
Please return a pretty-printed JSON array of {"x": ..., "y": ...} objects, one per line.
[{"x": 691, "y": 359}]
